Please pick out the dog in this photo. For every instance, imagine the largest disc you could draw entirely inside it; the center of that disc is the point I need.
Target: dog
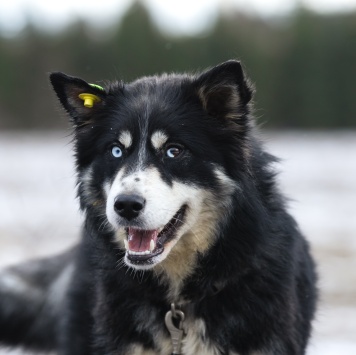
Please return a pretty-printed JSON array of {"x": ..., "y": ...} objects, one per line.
[{"x": 187, "y": 246}]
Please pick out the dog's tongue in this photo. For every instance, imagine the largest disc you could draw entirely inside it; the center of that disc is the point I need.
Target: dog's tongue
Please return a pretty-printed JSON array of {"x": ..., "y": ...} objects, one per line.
[{"x": 142, "y": 240}]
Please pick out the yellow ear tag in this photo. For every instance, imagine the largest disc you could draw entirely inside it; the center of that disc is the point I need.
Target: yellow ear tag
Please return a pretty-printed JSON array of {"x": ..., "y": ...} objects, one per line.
[{"x": 89, "y": 99}]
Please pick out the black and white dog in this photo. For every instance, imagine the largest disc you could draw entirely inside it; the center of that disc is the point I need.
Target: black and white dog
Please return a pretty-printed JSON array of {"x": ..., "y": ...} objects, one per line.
[{"x": 187, "y": 247}]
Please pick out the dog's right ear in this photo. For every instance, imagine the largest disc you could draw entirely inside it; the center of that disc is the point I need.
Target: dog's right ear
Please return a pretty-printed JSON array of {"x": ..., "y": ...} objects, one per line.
[{"x": 79, "y": 98}]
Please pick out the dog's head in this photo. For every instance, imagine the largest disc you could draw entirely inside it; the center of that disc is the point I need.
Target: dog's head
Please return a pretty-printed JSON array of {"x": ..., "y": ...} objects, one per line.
[{"x": 158, "y": 159}]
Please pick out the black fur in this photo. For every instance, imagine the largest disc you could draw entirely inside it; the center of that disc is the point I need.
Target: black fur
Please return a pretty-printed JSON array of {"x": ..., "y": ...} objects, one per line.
[{"x": 255, "y": 286}]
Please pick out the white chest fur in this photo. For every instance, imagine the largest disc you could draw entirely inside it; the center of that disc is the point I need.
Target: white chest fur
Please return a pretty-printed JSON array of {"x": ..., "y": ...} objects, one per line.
[{"x": 195, "y": 341}]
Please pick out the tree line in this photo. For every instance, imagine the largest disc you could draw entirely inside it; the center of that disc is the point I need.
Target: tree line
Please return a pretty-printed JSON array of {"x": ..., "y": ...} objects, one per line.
[{"x": 303, "y": 66}]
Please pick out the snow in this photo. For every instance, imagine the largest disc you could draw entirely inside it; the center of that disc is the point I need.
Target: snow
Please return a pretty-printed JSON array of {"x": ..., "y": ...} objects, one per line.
[{"x": 39, "y": 213}]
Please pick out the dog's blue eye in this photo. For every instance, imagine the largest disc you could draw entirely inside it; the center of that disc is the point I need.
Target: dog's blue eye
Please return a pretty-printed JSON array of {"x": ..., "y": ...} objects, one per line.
[
  {"x": 116, "y": 152},
  {"x": 173, "y": 152}
]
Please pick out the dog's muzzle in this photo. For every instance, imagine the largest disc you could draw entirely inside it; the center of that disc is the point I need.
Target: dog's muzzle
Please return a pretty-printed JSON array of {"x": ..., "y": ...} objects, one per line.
[{"x": 143, "y": 245}]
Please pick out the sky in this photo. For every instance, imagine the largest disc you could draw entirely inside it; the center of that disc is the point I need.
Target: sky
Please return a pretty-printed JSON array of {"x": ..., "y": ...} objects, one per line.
[{"x": 175, "y": 16}]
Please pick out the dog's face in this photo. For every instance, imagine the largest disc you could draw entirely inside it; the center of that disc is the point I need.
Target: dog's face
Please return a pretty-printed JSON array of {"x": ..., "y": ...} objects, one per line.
[{"x": 154, "y": 157}]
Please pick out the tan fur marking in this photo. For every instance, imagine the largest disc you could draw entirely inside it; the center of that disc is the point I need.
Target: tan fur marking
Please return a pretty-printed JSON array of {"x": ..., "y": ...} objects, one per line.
[
  {"x": 98, "y": 202},
  {"x": 125, "y": 139},
  {"x": 158, "y": 139},
  {"x": 197, "y": 240}
]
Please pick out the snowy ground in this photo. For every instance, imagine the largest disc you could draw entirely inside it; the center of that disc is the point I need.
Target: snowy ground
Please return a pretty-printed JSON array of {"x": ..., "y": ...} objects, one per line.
[{"x": 39, "y": 214}]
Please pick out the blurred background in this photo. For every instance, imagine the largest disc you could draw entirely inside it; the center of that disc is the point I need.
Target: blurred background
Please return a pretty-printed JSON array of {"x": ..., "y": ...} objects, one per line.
[{"x": 301, "y": 55}]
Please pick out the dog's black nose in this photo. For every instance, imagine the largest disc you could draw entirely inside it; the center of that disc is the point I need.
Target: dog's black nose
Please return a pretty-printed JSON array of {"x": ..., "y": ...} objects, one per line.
[{"x": 129, "y": 206}]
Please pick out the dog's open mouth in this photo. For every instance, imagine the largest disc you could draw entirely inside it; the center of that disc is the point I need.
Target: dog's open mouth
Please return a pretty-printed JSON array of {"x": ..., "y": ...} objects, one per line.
[{"x": 142, "y": 245}]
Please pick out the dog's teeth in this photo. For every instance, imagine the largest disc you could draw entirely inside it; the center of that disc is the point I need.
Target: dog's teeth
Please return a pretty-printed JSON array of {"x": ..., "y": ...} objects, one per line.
[
  {"x": 152, "y": 245},
  {"x": 132, "y": 252},
  {"x": 126, "y": 243}
]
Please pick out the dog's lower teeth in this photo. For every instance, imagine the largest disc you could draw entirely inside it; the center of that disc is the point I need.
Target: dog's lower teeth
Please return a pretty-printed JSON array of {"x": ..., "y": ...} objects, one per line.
[{"x": 126, "y": 243}]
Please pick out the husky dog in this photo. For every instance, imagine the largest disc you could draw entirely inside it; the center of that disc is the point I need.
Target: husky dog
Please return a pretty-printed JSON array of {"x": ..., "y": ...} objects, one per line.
[{"x": 187, "y": 247}]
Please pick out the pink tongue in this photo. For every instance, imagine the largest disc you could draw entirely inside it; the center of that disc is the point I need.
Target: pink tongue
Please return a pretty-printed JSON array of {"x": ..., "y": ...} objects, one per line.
[{"x": 139, "y": 240}]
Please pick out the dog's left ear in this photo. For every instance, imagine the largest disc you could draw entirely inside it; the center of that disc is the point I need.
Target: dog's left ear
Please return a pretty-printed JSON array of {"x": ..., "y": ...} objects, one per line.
[
  {"x": 224, "y": 91},
  {"x": 79, "y": 98}
]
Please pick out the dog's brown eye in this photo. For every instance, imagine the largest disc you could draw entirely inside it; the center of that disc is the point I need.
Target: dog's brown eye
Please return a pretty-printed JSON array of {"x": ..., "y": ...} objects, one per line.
[{"x": 174, "y": 151}]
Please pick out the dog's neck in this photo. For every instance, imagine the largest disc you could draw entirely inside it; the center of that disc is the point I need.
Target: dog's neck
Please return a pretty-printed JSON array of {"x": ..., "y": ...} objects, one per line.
[
  {"x": 180, "y": 264},
  {"x": 175, "y": 269}
]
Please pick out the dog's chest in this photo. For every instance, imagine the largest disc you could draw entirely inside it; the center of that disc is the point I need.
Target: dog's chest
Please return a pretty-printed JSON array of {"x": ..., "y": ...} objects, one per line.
[{"x": 194, "y": 342}]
